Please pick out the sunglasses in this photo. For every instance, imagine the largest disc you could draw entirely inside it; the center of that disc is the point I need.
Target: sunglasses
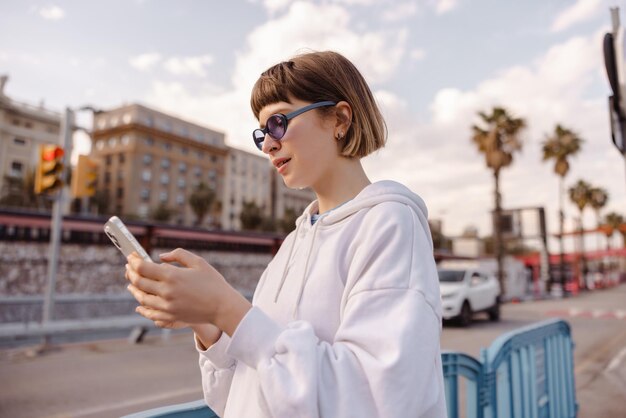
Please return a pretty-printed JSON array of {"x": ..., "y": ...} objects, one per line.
[{"x": 276, "y": 125}]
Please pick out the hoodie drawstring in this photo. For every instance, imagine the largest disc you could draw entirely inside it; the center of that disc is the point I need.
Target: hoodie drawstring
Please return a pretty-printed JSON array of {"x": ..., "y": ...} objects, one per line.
[
  {"x": 293, "y": 244},
  {"x": 306, "y": 267}
]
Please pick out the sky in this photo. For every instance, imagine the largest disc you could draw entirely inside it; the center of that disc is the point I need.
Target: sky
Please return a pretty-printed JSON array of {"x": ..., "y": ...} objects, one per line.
[{"x": 432, "y": 65}]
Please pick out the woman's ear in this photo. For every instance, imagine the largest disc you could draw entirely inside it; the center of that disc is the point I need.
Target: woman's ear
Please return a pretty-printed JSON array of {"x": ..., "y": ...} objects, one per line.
[{"x": 343, "y": 112}]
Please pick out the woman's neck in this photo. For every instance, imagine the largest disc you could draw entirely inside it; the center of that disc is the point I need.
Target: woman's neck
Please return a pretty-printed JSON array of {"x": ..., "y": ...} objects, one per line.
[{"x": 343, "y": 183}]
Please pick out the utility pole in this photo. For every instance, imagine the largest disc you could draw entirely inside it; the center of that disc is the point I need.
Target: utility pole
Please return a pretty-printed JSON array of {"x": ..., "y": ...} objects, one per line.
[{"x": 57, "y": 219}]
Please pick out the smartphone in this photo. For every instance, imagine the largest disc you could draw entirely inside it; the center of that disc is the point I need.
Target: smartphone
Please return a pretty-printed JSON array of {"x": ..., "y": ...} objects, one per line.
[{"x": 123, "y": 239}]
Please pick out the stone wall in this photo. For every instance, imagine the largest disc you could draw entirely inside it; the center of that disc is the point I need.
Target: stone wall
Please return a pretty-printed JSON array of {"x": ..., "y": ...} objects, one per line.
[{"x": 90, "y": 271}]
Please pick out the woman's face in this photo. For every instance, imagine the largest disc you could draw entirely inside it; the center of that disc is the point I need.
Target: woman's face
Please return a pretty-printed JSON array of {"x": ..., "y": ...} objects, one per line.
[{"x": 308, "y": 149}]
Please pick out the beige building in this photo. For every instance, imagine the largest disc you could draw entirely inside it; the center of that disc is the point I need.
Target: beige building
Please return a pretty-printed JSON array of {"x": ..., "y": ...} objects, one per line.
[
  {"x": 250, "y": 177},
  {"x": 149, "y": 158},
  {"x": 23, "y": 127}
]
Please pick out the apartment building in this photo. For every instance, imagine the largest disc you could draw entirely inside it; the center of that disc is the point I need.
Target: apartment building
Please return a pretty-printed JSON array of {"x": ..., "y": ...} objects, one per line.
[
  {"x": 149, "y": 158},
  {"x": 23, "y": 127}
]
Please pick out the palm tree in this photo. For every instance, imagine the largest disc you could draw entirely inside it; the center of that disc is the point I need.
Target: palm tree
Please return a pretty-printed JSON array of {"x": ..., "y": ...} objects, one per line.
[
  {"x": 580, "y": 195},
  {"x": 560, "y": 146},
  {"x": 598, "y": 198},
  {"x": 201, "y": 200},
  {"x": 498, "y": 139},
  {"x": 612, "y": 223}
]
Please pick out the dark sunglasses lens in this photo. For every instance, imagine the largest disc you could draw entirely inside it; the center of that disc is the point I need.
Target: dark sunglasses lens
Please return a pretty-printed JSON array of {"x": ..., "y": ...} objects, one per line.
[
  {"x": 276, "y": 126},
  {"x": 259, "y": 138}
]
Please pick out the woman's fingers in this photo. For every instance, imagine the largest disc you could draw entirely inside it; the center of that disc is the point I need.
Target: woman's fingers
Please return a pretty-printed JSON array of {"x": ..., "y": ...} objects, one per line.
[
  {"x": 144, "y": 284},
  {"x": 183, "y": 257},
  {"x": 147, "y": 268},
  {"x": 154, "y": 315},
  {"x": 147, "y": 300}
]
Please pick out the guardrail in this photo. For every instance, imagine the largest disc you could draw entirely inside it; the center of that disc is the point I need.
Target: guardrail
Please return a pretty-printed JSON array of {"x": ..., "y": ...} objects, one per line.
[{"x": 526, "y": 373}]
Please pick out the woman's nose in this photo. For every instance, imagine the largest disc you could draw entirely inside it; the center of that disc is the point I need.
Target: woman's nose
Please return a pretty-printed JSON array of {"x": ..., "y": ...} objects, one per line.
[{"x": 270, "y": 144}]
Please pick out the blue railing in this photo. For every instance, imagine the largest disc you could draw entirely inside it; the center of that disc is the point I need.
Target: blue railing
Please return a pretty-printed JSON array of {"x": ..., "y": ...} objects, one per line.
[{"x": 526, "y": 373}]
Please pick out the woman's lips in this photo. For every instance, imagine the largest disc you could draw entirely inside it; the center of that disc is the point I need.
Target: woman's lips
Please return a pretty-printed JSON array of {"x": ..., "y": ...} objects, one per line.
[{"x": 282, "y": 166}]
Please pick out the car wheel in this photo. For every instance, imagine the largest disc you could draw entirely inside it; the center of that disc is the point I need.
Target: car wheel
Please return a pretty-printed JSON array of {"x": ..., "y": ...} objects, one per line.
[
  {"x": 465, "y": 317},
  {"x": 494, "y": 312}
]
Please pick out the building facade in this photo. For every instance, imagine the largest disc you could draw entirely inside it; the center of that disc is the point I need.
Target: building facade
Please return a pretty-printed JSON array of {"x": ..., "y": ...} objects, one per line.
[
  {"x": 23, "y": 127},
  {"x": 150, "y": 159}
]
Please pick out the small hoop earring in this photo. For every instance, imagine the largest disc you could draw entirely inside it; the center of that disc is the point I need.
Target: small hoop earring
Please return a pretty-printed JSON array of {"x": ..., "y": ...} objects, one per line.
[{"x": 339, "y": 136}]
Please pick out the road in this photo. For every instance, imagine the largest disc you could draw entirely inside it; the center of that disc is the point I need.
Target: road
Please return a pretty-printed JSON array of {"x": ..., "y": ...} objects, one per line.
[{"x": 112, "y": 378}]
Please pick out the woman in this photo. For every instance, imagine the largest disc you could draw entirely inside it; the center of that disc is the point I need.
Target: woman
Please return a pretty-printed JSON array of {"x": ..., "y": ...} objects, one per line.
[{"x": 346, "y": 319}]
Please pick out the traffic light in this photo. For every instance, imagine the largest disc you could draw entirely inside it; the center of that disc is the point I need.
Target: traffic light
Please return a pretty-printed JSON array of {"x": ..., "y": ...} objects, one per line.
[
  {"x": 48, "y": 176},
  {"x": 85, "y": 177}
]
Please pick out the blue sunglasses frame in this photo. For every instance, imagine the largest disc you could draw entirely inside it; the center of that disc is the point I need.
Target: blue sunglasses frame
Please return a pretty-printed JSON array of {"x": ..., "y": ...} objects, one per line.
[{"x": 278, "y": 123}]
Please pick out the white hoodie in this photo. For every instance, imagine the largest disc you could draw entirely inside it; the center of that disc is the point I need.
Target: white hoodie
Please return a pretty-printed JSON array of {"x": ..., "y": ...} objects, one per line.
[{"x": 346, "y": 320}]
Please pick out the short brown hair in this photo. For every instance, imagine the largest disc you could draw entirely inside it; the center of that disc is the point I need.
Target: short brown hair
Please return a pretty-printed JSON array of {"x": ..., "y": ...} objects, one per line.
[{"x": 319, "y": 76}]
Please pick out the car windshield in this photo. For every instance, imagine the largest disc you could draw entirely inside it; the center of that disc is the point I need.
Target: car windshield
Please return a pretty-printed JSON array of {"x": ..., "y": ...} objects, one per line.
[{"x": 451, "y": 276}]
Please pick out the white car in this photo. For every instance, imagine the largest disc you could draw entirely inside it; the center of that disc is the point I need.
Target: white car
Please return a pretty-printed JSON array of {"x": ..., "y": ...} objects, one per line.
[{"x": 466, "y": 291}]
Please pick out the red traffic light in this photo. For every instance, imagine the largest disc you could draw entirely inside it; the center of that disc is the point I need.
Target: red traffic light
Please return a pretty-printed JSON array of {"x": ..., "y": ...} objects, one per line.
[{"x": 52, "y": 153}]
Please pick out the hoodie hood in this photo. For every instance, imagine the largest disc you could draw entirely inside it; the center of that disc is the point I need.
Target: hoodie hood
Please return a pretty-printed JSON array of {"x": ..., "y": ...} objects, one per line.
[{"x": 373, "y": 194}]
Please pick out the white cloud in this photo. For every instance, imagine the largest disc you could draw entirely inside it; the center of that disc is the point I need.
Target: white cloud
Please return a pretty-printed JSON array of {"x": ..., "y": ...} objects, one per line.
[
  {"x": 400, "y": 11},
  {"x": 579, "y": 12},
  {"x": 145, "y": 62},
  {"x": 445, "y": 6},
  {"x": 188, "y": 65},
  {"x": 417, "y": 54},
  {"x": 51, "y": 12}
]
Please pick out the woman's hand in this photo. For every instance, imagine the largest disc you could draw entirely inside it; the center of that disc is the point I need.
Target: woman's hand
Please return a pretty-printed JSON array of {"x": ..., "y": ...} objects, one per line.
[
  {"x": 153, "y": 315},
  {"x": 195, "y": 293}
]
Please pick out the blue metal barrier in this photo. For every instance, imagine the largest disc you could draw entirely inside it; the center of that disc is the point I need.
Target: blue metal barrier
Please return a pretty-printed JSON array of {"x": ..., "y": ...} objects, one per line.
[
  {"x": 526, "y": 373},
  {"x": 530, "y": 372}
]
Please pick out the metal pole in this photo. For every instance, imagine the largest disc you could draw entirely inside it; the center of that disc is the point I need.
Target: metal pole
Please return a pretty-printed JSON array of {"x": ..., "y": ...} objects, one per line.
[{"x": 57, "y": 218}]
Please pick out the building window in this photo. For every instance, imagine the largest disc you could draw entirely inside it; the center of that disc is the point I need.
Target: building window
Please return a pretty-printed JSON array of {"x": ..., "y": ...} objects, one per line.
[
  {"x": 19, "y": 141},
  {"x": 212, "y": 174},
  {"x": 127, "y": 118},
  {"x": 125, "y": 140},
  {"x": 167, "y": 146},
  {"x": 100, "y": 145},
  {"x": 149, "y": 121},
  {"x": 145, "y": 194},
  {"x": 120, "y": 192},
  {"x": 200, "y": 155},
  {"x": 165, "y": 163},
  {"x": 107, "y": 177},
  {"x": 17, "y": 169},
  {"x": 143, "y": 210},
  {"x": 182, "y": 167},
  {"x": 28, "y": 125},
  {"x": 165, "y": 178},
  {"x": 180, "y": 199},
  {"x": 184, "y": 150},
  {"x": 163, "y": 196},
  {"x": 213, "y": 158},
  {"x": 112, "y": 141},
  {"x": 197, "y": 171},
  {"x": 15, "y": 122},
  {"x": 121, "y": 158},
  {"x": 102, "y": 123},
  {"x": 108, "y": 160},
  {"x": 149, "y": 141},
  {"x": 146, "y": 175},
  {"x": 147, "y": 159},
  {"x": 181, "y": 183},
  {"x": 114, "y": 121}
]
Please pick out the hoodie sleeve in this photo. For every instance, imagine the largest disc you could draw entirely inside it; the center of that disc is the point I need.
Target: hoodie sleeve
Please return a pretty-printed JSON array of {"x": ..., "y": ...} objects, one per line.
[
  {"x": 217, "y": 369},
  {"x": 385, "y": 358}
]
